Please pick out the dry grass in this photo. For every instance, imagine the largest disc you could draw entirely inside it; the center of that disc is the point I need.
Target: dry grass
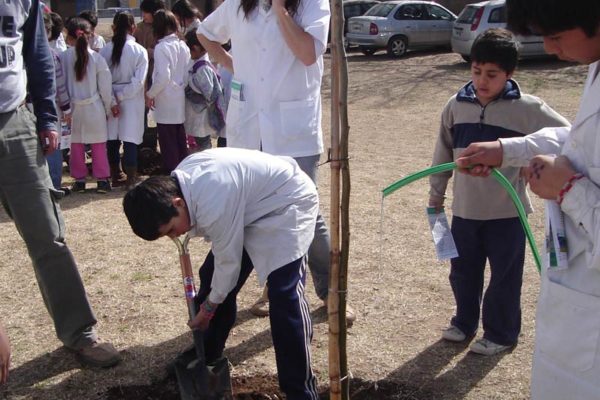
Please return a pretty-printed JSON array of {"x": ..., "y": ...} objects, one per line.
[{"x": 397, "y": 287}]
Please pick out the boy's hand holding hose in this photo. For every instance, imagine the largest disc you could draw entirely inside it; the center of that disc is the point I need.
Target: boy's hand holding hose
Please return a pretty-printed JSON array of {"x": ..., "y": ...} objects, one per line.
[
  {"x": 547, "y": 175},
  {"x": 478, "y": 159}
]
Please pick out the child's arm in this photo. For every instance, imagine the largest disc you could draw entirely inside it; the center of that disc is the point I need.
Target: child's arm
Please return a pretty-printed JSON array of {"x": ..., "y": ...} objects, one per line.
[
  {"x": 104, "y": 79},
  {"x": 202, "y": 82},
  {"x": 138, "y": 80},
  {"x": 161, "y": 75},
  {"x": 62, "y": 94},
  {"x": 443, "y": 153}
]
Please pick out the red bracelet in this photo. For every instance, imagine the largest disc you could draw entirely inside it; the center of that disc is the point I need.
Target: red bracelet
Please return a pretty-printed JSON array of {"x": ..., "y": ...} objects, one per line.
[
  {"x": 208, "y": 310},
  {"x": 567, "y": 186}
]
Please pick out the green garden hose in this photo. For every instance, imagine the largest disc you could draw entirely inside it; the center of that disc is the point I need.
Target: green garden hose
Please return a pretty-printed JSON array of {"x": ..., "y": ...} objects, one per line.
[{"x": 499, "y": 177}]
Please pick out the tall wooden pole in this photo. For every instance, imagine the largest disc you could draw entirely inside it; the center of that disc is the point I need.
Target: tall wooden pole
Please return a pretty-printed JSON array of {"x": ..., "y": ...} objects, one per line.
[{"x": 338, "y": 369}]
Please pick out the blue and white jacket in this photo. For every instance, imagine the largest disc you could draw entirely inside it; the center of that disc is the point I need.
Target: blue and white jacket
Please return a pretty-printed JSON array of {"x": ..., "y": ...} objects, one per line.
[{"x": 464, "y": 121}]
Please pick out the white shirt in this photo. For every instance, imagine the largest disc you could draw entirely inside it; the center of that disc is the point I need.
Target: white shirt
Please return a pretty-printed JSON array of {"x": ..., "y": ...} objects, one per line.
[
  {"x": 567, "y": 347},
  {"x": 128, "y": 79},
  {"x": 171, "y": 59},
  {"x": 241, "y": 199},
  {"x": 281, "y": 111}
]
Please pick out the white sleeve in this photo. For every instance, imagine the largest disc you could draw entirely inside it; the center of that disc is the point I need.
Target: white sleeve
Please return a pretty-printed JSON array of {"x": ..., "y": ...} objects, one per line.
[
  {"x": 518, "y": 151},
  {"x": 217, "y": 26},
  {"x": 314, "y": 19},
  {"x": 162, "y": 73},
  {"x": 104, "y": 79},
  {"x": 138, "y": 80}
]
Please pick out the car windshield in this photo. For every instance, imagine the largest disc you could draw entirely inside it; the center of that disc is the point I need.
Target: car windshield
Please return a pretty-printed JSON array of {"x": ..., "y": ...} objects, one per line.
[
  {"x": 467, "y": 15},
  {"x": 381, "y": 10}
]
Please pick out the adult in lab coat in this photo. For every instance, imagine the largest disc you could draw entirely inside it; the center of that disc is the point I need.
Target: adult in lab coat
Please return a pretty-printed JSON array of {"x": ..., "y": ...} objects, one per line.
[
  {"x": 128, "y": 62},
  {"x": 566, "y": 362},
  {"x": 275, "y": 104}
]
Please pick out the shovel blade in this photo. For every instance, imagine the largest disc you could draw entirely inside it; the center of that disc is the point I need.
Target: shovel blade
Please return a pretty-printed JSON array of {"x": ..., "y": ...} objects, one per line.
[{"x": 201, "y": 382}]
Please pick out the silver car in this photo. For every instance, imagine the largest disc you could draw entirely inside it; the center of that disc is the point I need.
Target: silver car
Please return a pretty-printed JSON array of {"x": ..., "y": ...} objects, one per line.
[
  {"x": 401, "y": 25},
  {"x": 476, "y": 18}
]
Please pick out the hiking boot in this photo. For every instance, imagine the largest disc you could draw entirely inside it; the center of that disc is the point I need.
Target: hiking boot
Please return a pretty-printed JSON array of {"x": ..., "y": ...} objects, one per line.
[
  {"x": 78, "y": 187},
  {"x": 486, "y": 347},
  {"x": 100, "y": 355},
  {"x": 453, "y": 334},
  {"x": 103, "y": 187},
  {"x": 116, "y": 175}
]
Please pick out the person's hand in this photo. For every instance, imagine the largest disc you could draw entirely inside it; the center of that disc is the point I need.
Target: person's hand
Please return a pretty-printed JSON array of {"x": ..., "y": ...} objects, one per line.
[
  {"x": 202, "y": 319},
  {"x": 116, "y": 111},
  {"x": 149, "y": 102},
  {"x": 67, "y": 118},
  {"x": 4, "y": 355},
  {"x": 548, "y": 174},
  {"x": 479, "y": 158},
  {"x": 49, "y": 141},
  {"x": 436, "y": 202}
]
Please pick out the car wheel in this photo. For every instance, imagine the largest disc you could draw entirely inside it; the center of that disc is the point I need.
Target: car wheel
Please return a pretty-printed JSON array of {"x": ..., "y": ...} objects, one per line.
[
  {"x": 397, "y": 46},
  {"x": 367, "y": 51}
]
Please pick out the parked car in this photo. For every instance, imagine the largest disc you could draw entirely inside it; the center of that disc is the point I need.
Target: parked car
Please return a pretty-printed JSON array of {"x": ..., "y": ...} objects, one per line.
[
  {"x": 400, "y": 25},
  {"x": 353, "y": 8},
  {"x": 476, "y": 18}
]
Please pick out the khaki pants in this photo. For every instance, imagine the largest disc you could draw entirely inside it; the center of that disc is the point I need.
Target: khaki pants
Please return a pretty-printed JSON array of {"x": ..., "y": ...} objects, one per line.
[{"x": 27, "y": 194}]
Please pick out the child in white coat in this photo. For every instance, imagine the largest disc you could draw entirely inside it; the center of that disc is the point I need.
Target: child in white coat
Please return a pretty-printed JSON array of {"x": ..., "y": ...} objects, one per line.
[
  {"x": 128, "y": 62},
  {"x": 90, "y": 87},
  {"x": 204, "y": 99},
  {"x": 166, "y": 96}
]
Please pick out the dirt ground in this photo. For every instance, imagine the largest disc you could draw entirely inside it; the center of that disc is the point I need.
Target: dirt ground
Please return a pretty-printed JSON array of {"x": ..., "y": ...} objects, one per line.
[{"x": 397, "y": 287}]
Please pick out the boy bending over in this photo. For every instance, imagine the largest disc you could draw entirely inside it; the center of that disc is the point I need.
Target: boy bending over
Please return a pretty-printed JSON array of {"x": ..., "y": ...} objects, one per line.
[
  {"x": 485, "y": 223},
  {"x": 259, "y": 212}
]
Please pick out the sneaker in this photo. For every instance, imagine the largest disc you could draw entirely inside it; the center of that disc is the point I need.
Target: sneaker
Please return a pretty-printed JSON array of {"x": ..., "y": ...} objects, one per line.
[
  {"x": 103, "y": 187},
  {"x": 453, "y": 334},
  {"x": 100, "y": 355},
  {"x": 486, "y": 347},
  {"x": 78, "y": 187}
]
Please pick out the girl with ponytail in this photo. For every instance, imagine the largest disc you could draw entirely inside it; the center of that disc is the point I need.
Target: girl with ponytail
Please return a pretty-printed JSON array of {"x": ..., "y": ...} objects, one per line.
[
  {"x": 89, "y": 84},
  {"x": 128, "y": 63}
]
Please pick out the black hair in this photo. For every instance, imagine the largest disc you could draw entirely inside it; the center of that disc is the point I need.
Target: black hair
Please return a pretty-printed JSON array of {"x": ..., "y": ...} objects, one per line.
[
  {"x": 90, "y": 16},
  {"x": 164, "y": 23},
  {"x": 547, "y": 17},
  {"x": 249, "y": 5},
  {"x": 79, "y": 29},
  {"x": 122, "y": 22},
  {"x": 152, "y": 6},
  {"x": 497, "y": 46},
  {"x": 184, "y": 9},
  {"x": 191, "y": 39},
  {"x": 57, "y": 25},
  {"x": 149, "y": 205}
]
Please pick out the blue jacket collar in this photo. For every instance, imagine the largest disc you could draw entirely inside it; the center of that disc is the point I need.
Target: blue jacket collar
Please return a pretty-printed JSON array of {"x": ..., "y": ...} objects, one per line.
[{"x": 511, "y": 92}]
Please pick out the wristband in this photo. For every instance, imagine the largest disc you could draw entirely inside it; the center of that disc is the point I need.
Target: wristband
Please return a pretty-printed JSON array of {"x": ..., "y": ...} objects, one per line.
[
  {"x": 567, "y": 186},
  {"x": 208, "y": 309}
]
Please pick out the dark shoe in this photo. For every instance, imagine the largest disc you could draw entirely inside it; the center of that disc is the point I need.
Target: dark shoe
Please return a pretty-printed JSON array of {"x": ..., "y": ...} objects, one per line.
[
  {"x": 103, "y": 187},
  {"x": 100, "y": 355},
  {"x": 65, "y": 190},
  {"x": 116, "y": 175},
  {"x": 78, "y": 187}
]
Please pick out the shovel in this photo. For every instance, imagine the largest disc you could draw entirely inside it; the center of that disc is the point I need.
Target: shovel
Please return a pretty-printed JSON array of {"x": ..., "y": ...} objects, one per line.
[{"x": 198, "y": 381}]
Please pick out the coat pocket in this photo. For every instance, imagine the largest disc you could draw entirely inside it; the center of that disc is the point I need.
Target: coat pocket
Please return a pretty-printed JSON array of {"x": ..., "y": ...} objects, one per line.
[
  {"x": 299, "y": 118},
  {"x": 568, "y": 327},
  {"x": 234, "y": 117}
]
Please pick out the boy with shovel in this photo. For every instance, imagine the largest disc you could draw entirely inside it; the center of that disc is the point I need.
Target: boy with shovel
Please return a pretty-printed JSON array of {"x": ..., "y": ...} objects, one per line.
[{"x": 259, "y": 212}]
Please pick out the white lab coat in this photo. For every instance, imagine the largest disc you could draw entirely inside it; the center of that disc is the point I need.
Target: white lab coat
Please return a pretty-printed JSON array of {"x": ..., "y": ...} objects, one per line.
[
  {"x": 91, "y": 98},
  {"x": 171, "y": 59},
  {"x": 245, "y": 199},
  {"x": 281, "y": 109},
  {"x": 566, "y": 361},
  {"x": 128, "y": 79}
]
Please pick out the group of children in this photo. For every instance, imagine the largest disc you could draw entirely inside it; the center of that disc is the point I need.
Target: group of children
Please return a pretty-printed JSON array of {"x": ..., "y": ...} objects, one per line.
[{"x": 103, "y": 91}]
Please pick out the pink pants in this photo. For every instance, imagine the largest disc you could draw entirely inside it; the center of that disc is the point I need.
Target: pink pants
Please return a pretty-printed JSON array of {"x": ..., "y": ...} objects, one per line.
[{"x": 100, "y": 169}]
